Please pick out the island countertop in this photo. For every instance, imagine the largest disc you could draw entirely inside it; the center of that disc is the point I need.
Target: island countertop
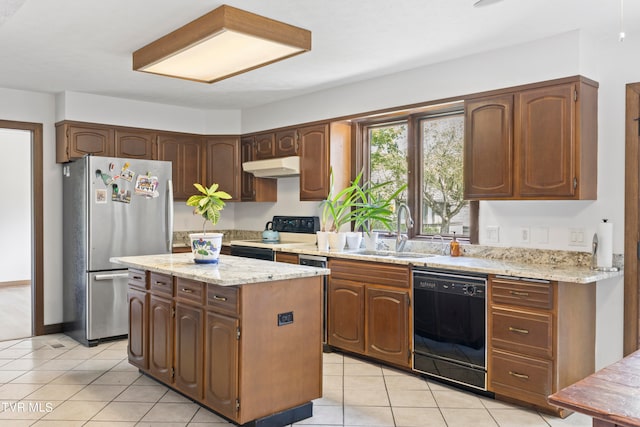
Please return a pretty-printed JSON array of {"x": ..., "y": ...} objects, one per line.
[{"x": 230, "y": 270}]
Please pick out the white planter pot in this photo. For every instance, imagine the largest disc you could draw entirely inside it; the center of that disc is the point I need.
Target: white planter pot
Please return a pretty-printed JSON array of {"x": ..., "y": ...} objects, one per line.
[
  {"x": 337, "y": 240},
  {"x": 323, "y": 240},
  {"x": 371, "y": 241},
  {"x": 354, "y": 239},
  {"x": 206, "y": 247}
]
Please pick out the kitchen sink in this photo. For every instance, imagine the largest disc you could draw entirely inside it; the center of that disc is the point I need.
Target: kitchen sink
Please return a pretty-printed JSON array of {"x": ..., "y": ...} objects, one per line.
[{"x": 392, "y": 254}]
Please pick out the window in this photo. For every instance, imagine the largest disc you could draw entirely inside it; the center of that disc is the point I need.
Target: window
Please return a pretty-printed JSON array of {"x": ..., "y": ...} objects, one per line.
[{"x": 425, "y": 150}]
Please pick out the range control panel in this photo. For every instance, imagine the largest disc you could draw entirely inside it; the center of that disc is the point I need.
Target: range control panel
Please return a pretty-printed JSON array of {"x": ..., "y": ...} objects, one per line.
[{"x": 296, "y": 224}]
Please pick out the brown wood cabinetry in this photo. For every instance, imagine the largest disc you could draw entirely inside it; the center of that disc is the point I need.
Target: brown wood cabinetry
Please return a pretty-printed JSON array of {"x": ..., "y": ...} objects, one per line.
[
  {"x": 196, "y": 331},
  {"x": 541, "y": 338},
  {"x": 185, "y": 155},
  {"x": 286, "y": 143},
  {"x": 138, "y": 299},
  {"x": 255, "y": 189},
  {"x": 369, "y": 309},
  {"x": 265, "y": 146},
  {"x": 287, "y": 257},
  {"x": 74, "y": 140},
  {"x": 134, "y": 144},
  {"x": 537, "y": 142},
  {"x": 223, "y": 164}
]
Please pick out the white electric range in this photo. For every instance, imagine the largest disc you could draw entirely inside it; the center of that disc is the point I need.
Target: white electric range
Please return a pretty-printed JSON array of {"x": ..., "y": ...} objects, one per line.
[{"x": 293, "y": 231}]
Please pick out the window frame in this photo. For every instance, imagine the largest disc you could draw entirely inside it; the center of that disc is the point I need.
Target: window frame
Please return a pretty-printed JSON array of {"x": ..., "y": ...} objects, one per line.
[{"x": 412, "y": 118}]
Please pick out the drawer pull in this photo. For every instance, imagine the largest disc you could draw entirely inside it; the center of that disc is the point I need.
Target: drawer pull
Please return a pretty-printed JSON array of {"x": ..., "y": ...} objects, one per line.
[
  {"x": 519, "y": 293},
  {"x": 186, "y": 291},
  {"x": 518, "y": 330},
  {"x": 217, "y": 298},
  {"x": 517, "y": 375},
  {"x": 161, "y": 284},
  {"x": 137, "y": 277}
]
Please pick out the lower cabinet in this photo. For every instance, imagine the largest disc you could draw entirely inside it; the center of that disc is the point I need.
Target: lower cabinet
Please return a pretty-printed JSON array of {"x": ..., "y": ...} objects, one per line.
[
  {"x": 541, "y": 338},
  {"x": 369, "y": 309},
  {"x": 189, "y": 335}
]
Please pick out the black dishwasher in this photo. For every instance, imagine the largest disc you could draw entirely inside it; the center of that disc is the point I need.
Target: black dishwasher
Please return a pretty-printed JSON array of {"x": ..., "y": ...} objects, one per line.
[{"x": 449, "y": 325}]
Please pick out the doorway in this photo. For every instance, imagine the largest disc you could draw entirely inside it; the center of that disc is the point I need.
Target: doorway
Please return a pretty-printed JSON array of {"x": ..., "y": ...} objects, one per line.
[{"x": 27, "y": 166}]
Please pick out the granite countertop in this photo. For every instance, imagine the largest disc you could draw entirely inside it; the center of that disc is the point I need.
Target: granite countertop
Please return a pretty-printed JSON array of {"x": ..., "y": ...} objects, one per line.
[
  {"x": 561, "y": 273},
  {"x": 230, "y": 271}
]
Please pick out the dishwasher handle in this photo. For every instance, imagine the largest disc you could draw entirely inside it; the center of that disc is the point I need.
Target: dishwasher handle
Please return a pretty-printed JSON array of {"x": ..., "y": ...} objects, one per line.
[{"x": 112, "y": 276}]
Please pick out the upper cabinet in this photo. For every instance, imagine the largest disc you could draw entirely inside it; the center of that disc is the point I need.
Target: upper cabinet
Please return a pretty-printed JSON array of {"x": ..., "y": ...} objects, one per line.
[
  {"x": 75, "y": 140},
  {"x": 265, "y": 146},
  {"x": 286, "y": 143},
  {"x": 254, "y": 189},
  {"x": 184, "y": 152},
  {"x": 534, "y": 143},
  {"x": 135, "y": 144},
  {"x": 222, "y": 164}
]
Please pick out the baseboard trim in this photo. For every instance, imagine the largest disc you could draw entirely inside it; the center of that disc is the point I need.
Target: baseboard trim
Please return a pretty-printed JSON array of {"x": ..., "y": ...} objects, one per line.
[
  {"x": 55, "y": 328},
  {"x": 15, "y": 283}
]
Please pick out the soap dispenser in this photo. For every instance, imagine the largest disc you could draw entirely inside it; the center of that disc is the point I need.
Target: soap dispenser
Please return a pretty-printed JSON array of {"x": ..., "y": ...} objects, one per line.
[{"x": 454, "y": 246}]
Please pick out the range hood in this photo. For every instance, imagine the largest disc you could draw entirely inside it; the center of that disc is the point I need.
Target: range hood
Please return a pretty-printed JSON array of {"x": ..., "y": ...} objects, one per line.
[{"x": 274, "y": 168}]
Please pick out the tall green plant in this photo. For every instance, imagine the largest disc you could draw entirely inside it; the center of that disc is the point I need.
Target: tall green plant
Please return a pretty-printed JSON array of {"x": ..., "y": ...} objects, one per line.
[
  {"x": 372, "y": 208},
  {"x": 337, "y": 209},
  {"x": 208, "y": 203}
]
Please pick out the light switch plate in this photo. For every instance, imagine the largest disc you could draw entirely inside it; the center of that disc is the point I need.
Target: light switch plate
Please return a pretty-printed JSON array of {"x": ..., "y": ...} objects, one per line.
[
  {"x": 524, "y": 234},
  {"x": 577, "y": 237},
  {"x": 493, "y": 234}
]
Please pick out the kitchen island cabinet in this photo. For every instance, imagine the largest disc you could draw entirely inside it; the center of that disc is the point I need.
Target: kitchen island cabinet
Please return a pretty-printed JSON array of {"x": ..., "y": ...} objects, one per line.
[{"x": 243, "y": 338}]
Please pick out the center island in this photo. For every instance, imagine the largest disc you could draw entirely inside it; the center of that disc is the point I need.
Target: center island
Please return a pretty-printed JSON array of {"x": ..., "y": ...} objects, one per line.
[{"x": 242, "y": 337}]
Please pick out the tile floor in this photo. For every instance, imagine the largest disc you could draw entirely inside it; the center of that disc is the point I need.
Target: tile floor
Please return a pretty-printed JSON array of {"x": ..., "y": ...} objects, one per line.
[{"x": 53, "y": 381}]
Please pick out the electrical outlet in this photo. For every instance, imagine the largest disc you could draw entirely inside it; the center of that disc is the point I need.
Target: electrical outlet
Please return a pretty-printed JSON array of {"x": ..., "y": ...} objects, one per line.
[
  {"x": 524, "y": 235},
  {"x": 493, "y": 234},
  {"x": 577, "y": 237}
]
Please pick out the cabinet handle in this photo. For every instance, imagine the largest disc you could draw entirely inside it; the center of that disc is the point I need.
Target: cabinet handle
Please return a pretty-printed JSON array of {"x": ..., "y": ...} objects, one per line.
[
  {"x": 517, "y": 375},
  {"x": 186, "y": 291},
  {"x": 518, "y": 330},
  {"x": 519, "y": 293},
  {"x": 137, "y": 277},
  {"x": 161, "y": 284},
  {"x": 217, "y": 298}
]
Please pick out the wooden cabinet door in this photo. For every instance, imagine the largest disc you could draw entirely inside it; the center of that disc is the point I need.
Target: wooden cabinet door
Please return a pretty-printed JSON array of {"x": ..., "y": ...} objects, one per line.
[
  {"x": 286, "y": 143},
  {"x": 545, "y": 142},
  {"x": 488, "y": 147},
  {"x": 161, "y": 338},
  {"x": 388, "y": 325},
  {"x": 223, "y": 164},
  {"x": 313, "y": 149},
  {"x": 221, "y": 363},
  {"x": 185, "y": 155},
  {"x": 189, "y": 350},
  {"x": 346, "y": 315},
  {"x": 247, "y": 190},
  {"x": 138, "y": 328},
  {"x": 265, "y": 146},
  {"x": 134, "y": 145},
  {"x": 78, "y": 141}
]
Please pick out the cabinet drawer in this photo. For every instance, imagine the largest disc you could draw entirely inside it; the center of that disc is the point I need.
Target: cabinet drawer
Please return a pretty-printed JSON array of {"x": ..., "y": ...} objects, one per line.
[
  {"x": 161, "y": 284},
  {"x": 524, "y": 332},
  {"x": 521, "y": 293},
  {"x": 190, "y": 290},
  {"x": 222, "y": 298},
  {"x": 511, "y": 375},
  {"x": 370, "y": 272},
  {"x": 137, "y": 278}
]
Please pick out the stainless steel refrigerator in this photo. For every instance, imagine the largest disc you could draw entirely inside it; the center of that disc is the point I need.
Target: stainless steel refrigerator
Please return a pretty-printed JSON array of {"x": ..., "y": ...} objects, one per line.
[{"x": 112, "y": 207}]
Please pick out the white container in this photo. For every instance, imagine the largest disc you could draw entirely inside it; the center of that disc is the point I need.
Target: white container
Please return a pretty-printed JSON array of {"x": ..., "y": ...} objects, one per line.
[
  {"x": 371, "y": 241},
  {"x": 206, "y": 247},
  {"x": 354, "y": 239},
  {"x": 323, "y": 240},
  {"x": 337, "y": 241}
]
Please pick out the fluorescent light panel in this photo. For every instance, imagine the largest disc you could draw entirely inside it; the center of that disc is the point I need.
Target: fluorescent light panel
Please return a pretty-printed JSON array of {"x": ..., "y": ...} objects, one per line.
[{"x": 221, "y": 44}]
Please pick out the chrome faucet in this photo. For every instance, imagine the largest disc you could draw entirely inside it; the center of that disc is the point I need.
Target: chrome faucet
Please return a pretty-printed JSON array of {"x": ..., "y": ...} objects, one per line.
[
  {"x": 443, "y": 248},
  {"x": 401, "y": 239}
]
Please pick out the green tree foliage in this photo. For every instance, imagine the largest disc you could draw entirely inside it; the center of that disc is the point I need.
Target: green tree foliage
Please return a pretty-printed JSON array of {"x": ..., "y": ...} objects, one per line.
[{"x": 443, "y": 181}]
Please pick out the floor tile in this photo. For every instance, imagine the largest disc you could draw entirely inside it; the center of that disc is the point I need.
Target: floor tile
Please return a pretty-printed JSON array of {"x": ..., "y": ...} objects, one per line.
[
  {"x": 324, "y": 415},
  {"x": 96, "y": 365},
  {"x": 468, "y": 417},
  {"x": 517, "y": 418},
  {"x": 55, "y": 392},
  {"x": 109, "y": 424},
  {"x": 330, "y": 397},
  {"x": 56, "y": 423},
  {"x": 362, "y": 369},
  {"x": 573, "y": 420},
  {"x": 364, "y": 382},
  {"x": 77, "y": 377},
  {"x": 118, "y": 378},
  {"x": 171, "y": 412},
  {"x": 8, "y": 376},
  {"x": 412, "y": 398},
  {"x": 58, "y": 365},
  {"x": 97, "y": 392},
  {"x": 332, "y": 381},
  {"x": 418, "y": 417},
  {"x": 332, "y": 369},
  {"x": 123, "y": 411},
  {"x": 78, "y": 410},
  {"x": 405, "y": 382},
  {"x": 173, "y": 397},
  {"x": 205, "y": 416},
  {"x": 371, "y": 397},
  {"x": 456, "y": 399},
  {"x": 14, "y": 353},
  {"x": 36, "y": 377},
  {"x": 142, "y": 393},
  {"x": 44, "y": 353},
  {"x": 117, "y": 354},
  {"x": 368, "y": 416},
  {"x": 332, "y": 358},
  {"x": 17, "y": 391},
  {"x": 20, "y": 364}
]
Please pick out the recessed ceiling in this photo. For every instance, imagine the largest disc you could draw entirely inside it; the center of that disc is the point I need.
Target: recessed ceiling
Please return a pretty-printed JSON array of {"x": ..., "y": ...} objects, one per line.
[{"x": 86, "y": 45}]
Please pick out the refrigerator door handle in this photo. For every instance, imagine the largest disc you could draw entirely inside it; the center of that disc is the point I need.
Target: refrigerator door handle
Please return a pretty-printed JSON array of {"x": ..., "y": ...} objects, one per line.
[
  {"x": 111, "y": 276},
  {"x": 170, "y": 216}
]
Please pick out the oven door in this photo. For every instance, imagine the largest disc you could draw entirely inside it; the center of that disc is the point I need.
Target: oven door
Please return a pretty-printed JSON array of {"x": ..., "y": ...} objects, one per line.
[{"x": 253, "y": 252}]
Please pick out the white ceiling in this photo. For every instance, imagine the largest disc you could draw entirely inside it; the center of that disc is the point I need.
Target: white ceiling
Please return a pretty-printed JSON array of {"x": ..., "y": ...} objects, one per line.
[{"x": 86, "y": 45}]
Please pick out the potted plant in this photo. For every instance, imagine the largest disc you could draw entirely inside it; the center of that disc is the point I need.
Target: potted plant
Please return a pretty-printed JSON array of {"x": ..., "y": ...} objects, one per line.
[
  {"x": 337, "y": 210},
  {"x": 373, "y": 208},
  {"x": 209, "y": 203}
]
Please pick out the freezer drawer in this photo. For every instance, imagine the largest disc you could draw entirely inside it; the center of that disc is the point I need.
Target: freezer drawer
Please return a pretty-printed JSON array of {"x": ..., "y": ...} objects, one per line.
[{"x": 107, "y": 314}]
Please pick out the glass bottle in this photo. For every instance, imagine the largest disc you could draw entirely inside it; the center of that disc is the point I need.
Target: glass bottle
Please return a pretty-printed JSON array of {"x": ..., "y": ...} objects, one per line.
[{"x": 455, "y": 246}]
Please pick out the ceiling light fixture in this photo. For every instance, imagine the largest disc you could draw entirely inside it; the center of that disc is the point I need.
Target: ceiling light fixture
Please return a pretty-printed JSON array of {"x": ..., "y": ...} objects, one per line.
[{"x": 224, "y": 42}]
